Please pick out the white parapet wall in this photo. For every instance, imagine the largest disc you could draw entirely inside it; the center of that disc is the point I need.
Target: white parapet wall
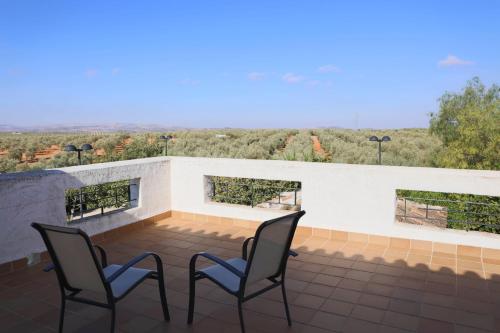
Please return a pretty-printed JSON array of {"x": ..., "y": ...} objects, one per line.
[
  {"x": 39, "y": 196},
  {"x": 354, "y": 198}
]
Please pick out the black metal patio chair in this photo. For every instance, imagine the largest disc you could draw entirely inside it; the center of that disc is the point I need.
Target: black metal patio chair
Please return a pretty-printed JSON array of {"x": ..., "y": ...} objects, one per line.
[
  {"x": 79, "y": 270},
  {"x": 266, "y": 262}
]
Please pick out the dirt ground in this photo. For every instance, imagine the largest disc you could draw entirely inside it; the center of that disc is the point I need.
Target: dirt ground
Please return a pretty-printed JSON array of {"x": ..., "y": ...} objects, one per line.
[
  {"x": 436, "y": 216},
  {"x": 317, "y": 146},
  {"x": 53, "y": 150}
]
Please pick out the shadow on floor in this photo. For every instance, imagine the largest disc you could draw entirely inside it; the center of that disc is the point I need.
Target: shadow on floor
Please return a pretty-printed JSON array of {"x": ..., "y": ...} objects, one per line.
[{"x": 332, "y": 286}]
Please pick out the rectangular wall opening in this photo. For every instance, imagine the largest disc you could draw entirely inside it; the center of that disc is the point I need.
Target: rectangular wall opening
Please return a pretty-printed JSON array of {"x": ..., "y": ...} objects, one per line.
[
  {"x": 449, "y": 210},
  {"x": 261, "y": 193},
  {"x": 102, "y": 199}
]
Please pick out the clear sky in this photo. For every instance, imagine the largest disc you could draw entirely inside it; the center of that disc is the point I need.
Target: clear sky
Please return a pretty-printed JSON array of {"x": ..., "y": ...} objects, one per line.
[{"x": 379, "y": 64}]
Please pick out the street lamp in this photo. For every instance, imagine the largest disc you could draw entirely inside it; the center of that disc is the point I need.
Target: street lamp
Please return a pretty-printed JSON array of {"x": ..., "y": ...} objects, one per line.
[
  {"x": 166, "y": 138},
  {"x": 72, "y": 148},
  {"x": 385, "y": 138}
]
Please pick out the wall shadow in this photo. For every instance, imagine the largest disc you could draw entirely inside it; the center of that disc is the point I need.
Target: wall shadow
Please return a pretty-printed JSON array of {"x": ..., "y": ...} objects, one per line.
[{"x": 332, "y": 286}]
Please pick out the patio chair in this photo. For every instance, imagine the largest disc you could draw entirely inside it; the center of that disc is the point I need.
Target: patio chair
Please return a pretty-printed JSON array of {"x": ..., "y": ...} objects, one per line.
[
  {"x": 266, "y": 262},
  {"x": 79, "y": 270}
]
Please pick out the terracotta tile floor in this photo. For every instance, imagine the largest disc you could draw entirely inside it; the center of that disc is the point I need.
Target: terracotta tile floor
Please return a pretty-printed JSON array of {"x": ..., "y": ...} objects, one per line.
[{"x": 332, "y": 286}]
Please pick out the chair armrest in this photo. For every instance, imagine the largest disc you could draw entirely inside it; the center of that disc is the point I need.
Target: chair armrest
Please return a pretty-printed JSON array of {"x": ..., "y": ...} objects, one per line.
[
  {"x": 217, "y": 260},
  {"x": 159, "y": 265},
  {"x": 244, "y": 248},
  {"x": 49, "y": 267},
  {"x": 104, "y": 258}
]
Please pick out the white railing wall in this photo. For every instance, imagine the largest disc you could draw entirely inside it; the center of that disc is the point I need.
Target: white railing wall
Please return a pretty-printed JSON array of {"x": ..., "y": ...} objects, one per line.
[
  {"x": 39, "y": 197},
  {"x": 354, "y": 198}
]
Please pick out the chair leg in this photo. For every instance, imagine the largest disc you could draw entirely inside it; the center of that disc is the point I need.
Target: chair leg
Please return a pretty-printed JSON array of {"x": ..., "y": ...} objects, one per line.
[
  {"x": 61, "y": 314},
  {"x": 113, "y": 318},
  {"x": 192, "y": 291},
  {"x": 240, "y": 313},
  {"x": 287, "y": 311},
  {"x": 163, "y": 297}
]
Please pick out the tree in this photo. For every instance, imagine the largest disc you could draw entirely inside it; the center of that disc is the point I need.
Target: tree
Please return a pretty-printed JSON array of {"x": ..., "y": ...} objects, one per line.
[
  {"x": 31, "y": 153},
  {"x": 16, "y": 154},
  {"x": 468, "y": 123},
  {"x": 7, "y": 165}
]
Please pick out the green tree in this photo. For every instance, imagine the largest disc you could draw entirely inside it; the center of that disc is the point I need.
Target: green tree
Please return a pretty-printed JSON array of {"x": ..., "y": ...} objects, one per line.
[
  {"x": 31, "y": 153},
  {"x": 16, "y": 154},
  {"x": 468, "y": 124},
  {"x": 7, "y": 165}
]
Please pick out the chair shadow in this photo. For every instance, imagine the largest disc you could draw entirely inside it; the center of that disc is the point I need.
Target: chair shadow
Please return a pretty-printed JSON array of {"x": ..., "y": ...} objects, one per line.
[{"x": 350, "y": 275}]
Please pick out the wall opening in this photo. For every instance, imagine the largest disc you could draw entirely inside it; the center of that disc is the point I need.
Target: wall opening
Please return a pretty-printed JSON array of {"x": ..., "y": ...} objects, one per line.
[
  {"x": 449, "y": 210},
  {"x": 261, "y": 193},
  {"x": 101, "y": 199}
]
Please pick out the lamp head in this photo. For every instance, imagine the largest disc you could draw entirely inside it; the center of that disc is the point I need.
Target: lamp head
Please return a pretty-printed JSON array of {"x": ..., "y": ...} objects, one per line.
[
  {"x": 373, "y": 138},
  {"x": 70, "y": 148},
  {"x": 87, "y": 146},
  {"x": 386, "y": 138}
]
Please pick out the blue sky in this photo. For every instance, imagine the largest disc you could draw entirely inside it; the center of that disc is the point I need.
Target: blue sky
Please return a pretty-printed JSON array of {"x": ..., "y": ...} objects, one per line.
[{"x": 379, "y": 64}]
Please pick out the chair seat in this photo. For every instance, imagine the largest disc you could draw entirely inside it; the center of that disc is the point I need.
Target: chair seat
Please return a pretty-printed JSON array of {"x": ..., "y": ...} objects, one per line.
[
  {"x": 127, "y": 281},
  {"x": 224, "y": 276}
]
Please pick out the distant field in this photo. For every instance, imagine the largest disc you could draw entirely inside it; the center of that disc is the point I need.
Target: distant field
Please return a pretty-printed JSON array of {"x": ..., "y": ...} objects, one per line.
[{"x": 410, "y": 147}]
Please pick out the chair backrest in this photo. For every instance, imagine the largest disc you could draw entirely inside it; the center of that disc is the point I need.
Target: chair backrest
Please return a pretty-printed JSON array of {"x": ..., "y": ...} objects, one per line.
[
  {"x": 270, "y": 247},
  {"x": 73, "y": 256}
]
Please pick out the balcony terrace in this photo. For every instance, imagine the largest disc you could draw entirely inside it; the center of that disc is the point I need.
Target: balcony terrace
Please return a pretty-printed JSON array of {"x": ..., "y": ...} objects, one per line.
[{"x": 357, "y": 271}]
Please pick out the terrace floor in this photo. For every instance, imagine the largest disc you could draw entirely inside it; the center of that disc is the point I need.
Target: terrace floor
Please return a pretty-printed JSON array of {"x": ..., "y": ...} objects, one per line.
[{"x": 332, "y": 286}]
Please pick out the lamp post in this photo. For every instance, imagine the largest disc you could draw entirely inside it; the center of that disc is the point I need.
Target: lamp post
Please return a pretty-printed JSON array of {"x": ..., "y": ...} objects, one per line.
[
  {"x": 385, "y": 138},
  {"x": 72, "y": 148},
  {"x": 166, "y": 138}
]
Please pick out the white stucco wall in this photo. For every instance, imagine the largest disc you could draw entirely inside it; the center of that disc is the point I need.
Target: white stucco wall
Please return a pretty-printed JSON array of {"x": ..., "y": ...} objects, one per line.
[
  {"x": 39, "y": 197},
  {"x": 356, "y": 198}
]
